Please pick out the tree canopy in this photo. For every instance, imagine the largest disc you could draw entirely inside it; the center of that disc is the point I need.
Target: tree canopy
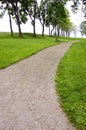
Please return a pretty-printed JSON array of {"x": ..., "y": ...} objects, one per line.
[
  {"x": 83, "y": 28},
  {"x": 50, "y": 13}
]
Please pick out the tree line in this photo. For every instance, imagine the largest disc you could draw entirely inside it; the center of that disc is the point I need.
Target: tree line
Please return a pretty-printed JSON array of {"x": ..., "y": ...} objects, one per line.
[{"x": 51, "y": 13}]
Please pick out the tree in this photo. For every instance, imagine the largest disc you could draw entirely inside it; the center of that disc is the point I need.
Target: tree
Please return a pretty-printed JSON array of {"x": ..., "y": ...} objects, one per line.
[
  {"x": 5, "y": 6},
  {"x": 51, "y": 13},
  {"x": 13, "y": 10},
  {"x": 10, "y": 19},
  {"x": 2, "y": 12},
  {"x": 83, "y": 28},
  {"x": 34, "y": 15},
  {"x": 29, "y": 7},
  {"x": 66, "y": 25},
  {"x": 55, "y": 14},
  {"x": 41, "y": 14},
  {"x": 15, "y": 7}
]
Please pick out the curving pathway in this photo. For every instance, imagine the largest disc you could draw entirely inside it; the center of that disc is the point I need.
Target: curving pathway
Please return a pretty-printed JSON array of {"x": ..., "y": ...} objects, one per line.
[{"x": 27, "y": 93}]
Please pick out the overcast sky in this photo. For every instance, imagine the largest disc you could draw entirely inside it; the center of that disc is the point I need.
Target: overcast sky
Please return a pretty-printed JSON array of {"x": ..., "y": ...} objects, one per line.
[{"x": 75, "y": 18}]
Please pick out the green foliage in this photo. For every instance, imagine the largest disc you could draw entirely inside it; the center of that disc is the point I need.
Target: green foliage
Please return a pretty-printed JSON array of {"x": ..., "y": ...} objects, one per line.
[
  {"x": 2, "y": 12},
  {"x": 49, "y": 12},
  {"x": 83, "y": 28},
  {"x": 71, "y": 84},
  {"x": 66, "y": 25},
  {"x": 57, "y": 12}
]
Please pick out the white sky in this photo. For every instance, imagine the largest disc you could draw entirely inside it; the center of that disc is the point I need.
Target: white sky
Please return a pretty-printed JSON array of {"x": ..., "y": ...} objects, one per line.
[
  {"x": 4, "y": 23},
  {"x": 76, "y": 18}
]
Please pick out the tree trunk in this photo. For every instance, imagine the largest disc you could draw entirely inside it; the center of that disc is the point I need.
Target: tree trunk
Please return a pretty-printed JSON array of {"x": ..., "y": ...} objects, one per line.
[
  {"x": 66, "y": 33},
  {"x": 18, "y": 23},
  {"x": 34, "y": 28},
  {"x": 55, "y": 30},
  {"x": 42, "y": 24},
  {"x": 43, "y": 30},
  {"x": 15, "y": 7},
  {"x": 49, "y": 29},
  {"x": 34, "y": 21},
  {"x": 10, "y": 21},
  {"x": 61, "y": 31},
  {"x": 58, "y": 31},
  {"x": 52, "y": 31},
  {"x": 19, "y": 27}
]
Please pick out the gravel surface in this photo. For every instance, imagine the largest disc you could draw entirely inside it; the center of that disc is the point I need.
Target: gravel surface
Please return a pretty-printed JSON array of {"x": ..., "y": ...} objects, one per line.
[{"x": 28, "y": 99}]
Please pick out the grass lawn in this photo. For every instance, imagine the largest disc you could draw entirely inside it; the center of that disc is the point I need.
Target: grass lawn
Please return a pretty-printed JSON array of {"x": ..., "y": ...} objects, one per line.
[
  {"x": 71, "y": 84},
  {"x": 13, "y": 49}
]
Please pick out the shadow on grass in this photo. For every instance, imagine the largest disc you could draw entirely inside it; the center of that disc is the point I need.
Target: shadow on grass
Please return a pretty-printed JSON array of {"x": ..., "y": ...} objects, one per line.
[{"x": 7, "y": 35}]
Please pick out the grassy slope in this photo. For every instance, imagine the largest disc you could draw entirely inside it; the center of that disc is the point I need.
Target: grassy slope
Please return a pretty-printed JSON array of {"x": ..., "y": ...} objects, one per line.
[
  {"x": 15, "y": 49},
  {"x": 71, "y": 82}
]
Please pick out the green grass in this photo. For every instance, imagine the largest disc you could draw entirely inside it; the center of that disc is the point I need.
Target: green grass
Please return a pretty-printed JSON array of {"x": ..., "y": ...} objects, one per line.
[
  {"x": 14, "y": 49},
  {"x": 71, "y": 84}
]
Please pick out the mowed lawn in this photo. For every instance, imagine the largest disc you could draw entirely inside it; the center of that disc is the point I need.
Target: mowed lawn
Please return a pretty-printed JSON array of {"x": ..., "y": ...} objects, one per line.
[
  {"x": 71, "y": 84},
  {"x": 13, "y": 49}
]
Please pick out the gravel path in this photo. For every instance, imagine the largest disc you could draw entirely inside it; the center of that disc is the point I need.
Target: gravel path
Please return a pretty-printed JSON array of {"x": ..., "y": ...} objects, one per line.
[{"x": 27, "y": 93}]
